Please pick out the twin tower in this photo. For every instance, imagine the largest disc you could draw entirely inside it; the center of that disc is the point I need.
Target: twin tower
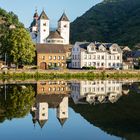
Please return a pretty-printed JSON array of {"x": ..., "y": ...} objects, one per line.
[{"x": 40, "y": 30}]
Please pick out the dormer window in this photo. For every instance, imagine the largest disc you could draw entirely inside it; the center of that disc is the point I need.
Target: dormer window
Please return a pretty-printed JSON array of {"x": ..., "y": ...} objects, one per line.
[
  {"x": 92, "y": 49},
  {"x": 114, "y": 49}
]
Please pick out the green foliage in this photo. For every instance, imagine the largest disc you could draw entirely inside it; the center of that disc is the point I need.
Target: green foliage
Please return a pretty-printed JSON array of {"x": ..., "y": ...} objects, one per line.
[
  {"x": 16, "y": 43},
  {"x": 110, "y": 21},
  {"x": 18, "y": 46},
  {"x": 18, "y": 101}
]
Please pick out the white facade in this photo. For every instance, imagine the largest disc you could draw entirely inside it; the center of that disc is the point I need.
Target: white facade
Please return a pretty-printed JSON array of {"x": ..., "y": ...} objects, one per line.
[
  {"x": 96, "y": 91},
  {"x": 99, "y": 55},
  {"x": 64, "y": 28},
  {"x": 62, "y": 110},
  {"x": 42, "y": 111},
  {"x": 43, "y": 30}
]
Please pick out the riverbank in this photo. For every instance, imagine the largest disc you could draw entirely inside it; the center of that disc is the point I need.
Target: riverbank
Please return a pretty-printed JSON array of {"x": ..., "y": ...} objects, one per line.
[{"x": 68, "y": 74}]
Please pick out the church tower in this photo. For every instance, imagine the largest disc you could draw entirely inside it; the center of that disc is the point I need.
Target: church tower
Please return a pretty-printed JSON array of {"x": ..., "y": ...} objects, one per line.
[
  {"x": 43, "y": 28},
  {"x": 62, "y": 111},
  {"x": 64, "y": 28},
  {"x": 34, "y": 26},
  {"x": 42, "y": 113}
]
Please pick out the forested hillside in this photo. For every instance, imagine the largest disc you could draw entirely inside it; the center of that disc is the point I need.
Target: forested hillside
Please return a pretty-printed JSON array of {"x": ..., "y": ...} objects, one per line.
[{"x": 110, "y": 21}]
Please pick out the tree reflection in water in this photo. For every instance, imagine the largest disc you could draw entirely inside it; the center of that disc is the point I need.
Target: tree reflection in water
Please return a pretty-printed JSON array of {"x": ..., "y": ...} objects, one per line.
[{"x": 18, "y": 101}]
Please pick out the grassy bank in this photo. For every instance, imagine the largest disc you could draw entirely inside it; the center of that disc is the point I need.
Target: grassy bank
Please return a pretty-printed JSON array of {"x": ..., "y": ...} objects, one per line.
[{"x": 69, "y": 75}]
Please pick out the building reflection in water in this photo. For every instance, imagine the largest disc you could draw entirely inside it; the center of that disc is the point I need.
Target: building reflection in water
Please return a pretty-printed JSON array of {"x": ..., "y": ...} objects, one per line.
[
  {"x": 55, "y": 94},
  {"x": 51, "y": 94},
  {"x": 98, "y": 91}
]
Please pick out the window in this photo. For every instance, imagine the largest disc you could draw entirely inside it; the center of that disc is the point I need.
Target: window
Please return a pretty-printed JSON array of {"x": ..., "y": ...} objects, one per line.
[
  {"x": 50, "y": 57},
  {"x": 94, "y": 63},
  {"x": 103, "y": 57},
  {"x": 72, "y": 56},
  {"x": 43, "y": 89},
  {"x": 63, "y": 57},
  {"x": 94, "y": 56},
  {"x": 102, "y": 64},
  {"x": 78, "y": 56},
  {"x": 44, "y": 24},
  {"x": 59, "y": 57},
  {"x": 44, "y": 30},
  {"x": 89, "y": 56},
  {"x": 109, "y": 64},
  {"x": 62, "y": 89},
  {"x": 89, "y": 63},
  {"x": 65, "y": 25},
  {"x": 43, "y": 114},
  {"x": 85, "y": 57},
  {"x": 118, "y": 64},
  {"x": 58, "y": 64},
  {"x": 58, "y": 89},
  {"x": 92, "y": 48},
  {"x": 98, "y": 57},
  {"x": 114, "y": 49},
  {"x": 54, "y": 57},
  {"x": 43, "y": 57},
  {"x": 77, "y": 49},
  {"x": 73, "y": 49},
  {"x": 118, "y": 57},
  {"x": 110, "y": 57},
  {"x": 98, "y": 64}
]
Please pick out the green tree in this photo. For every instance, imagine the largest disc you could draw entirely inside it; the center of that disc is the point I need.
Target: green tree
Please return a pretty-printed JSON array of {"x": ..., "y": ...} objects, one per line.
[
  {"x": 18, "y": 46},
  {"x": 18, "y": 103}
]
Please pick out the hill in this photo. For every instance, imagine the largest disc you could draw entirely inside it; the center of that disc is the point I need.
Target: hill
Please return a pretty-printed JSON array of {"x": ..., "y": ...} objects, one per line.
[{"x": 109, "y": 21}]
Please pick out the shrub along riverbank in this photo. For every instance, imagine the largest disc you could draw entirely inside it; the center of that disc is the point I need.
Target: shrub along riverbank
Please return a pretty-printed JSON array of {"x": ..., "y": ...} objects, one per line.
[{"x": 69, "y": 75}]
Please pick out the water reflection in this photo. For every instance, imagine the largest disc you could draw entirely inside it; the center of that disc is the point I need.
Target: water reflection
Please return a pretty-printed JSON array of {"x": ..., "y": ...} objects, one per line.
[
  {"x": 94, "y": 92},
  {"x": 112, "y": 106},
  {"x": 52, "y": 94}
]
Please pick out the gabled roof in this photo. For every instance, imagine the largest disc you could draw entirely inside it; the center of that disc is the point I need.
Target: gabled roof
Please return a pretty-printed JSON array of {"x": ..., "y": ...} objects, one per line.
[
  {"x": 54, "y": 35},
  {"x": 51, "y": 48},
  {"x": 62, "y": 121},
  {"x": 41, "y": 122},
  {"x": 63, "y": 17},
  {"x": 84, "y": 45},
  {"x": 43, "y": 16}
]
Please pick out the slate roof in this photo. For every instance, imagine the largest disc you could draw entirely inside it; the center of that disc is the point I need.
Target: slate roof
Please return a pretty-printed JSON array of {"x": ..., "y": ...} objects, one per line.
[
  {"x": 54, "y": 35},
  {"x": 53, "y": 100},
  {"x": 51, "y": 48},
  {"x": 43, "y": 16},
  {"x": 84, "y": 45},
  {"x": 36, "y": 14},
  {"x": 64, "y": 17},
  {"x": 62, "y": 121}
]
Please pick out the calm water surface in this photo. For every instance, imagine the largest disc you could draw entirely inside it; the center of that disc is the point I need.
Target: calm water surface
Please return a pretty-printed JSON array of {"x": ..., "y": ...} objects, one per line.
[{"x": 70, "y": 110}]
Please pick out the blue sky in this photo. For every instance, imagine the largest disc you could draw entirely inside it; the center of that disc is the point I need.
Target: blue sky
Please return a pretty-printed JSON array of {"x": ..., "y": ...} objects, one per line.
[{"x": 54, "y": 8}]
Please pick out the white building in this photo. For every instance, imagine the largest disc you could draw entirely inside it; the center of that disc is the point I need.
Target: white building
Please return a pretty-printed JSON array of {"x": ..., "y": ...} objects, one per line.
[
  {"x": 99, "y": 55},
  {"x": 40, "y": 30},
  {"x": 96, "y": 91}
]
